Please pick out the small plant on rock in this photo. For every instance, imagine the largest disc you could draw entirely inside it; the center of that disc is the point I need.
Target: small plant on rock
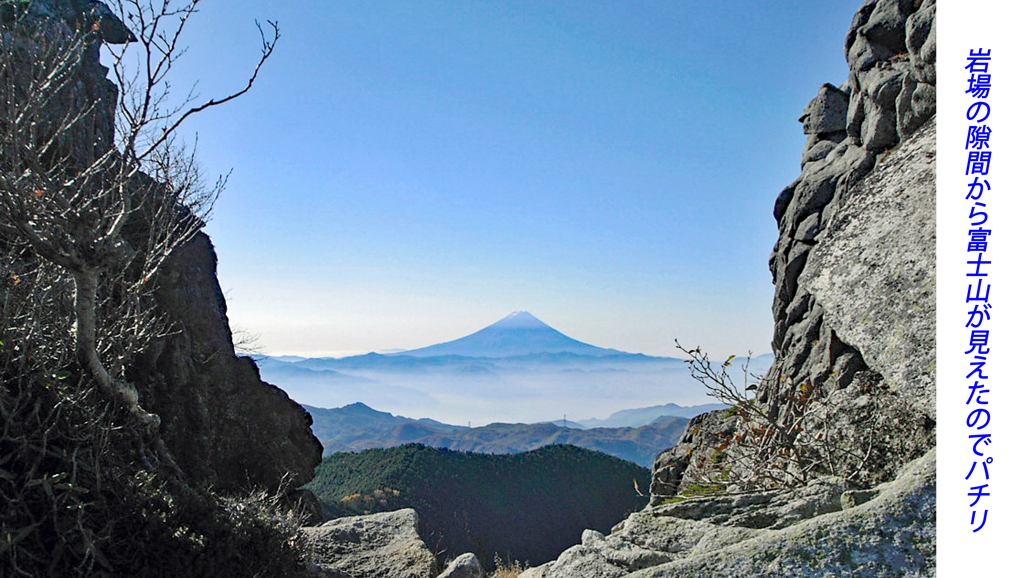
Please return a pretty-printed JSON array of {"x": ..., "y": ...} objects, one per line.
[
  {"x": 762, "y": 446},
  {"x": 503, "y": 569}
]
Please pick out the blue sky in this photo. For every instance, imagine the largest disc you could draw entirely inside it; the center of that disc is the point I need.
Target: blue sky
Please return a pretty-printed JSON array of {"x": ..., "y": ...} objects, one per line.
[{"x": 405, "y": 173}]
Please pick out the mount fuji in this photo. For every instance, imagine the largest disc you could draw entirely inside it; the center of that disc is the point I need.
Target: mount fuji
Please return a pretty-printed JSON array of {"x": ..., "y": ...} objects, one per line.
[
  {"x": 518, "y": 369},
  {"x": 518, "y": 334}
]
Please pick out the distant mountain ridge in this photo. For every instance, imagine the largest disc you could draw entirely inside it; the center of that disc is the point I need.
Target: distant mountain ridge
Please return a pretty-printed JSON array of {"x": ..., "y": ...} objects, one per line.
[
  {"x": 648, "y": 415},
  {"x": 518, "y": 369},
  {"x": 358, "y": 427},
  {"x": 403, "y": 362}
]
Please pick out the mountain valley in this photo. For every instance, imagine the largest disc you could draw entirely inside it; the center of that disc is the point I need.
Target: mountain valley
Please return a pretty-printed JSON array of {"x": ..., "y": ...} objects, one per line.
[
  {"x": 486, "y": 504},
  {"x": 358, "y": 427}
]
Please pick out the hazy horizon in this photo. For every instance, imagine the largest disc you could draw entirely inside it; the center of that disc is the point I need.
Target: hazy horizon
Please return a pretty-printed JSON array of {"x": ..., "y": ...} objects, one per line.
[
  {"x": 516, "y": 370},
  {"x": 395, "y": 351}
]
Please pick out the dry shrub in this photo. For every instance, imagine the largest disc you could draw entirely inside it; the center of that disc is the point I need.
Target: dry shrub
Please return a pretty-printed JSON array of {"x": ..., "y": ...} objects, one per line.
[
  {"x": 504, "y": 569},
  {"x": 861, "y": 433},
  {"x": 79, "y": 492}
]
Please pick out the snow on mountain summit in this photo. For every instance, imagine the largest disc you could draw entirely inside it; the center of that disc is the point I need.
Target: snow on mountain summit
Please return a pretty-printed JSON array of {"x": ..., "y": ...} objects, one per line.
[
  {"x": 517, "y": 334},
  {"x": 520, "y": 320}
]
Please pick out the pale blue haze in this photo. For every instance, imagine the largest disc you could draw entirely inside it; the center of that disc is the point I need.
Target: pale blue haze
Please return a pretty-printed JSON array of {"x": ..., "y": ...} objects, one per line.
[
  {"x": 406, "y": 173},
  {"x": 517, "y": 370}
]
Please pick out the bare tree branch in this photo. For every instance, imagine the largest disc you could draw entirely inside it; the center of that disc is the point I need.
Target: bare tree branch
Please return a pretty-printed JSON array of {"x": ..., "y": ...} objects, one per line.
[
  {"x": 773, "y": 447},
  {"x": 104, "y": 211}
]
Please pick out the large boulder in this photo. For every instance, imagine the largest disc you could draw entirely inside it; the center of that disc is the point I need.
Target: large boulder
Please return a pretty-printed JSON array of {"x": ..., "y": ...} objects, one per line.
[{"x": 384, "y": 545}]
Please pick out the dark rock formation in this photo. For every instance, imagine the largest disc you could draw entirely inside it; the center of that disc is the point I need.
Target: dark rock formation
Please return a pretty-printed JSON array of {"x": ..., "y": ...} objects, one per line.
[
  {"x": 56, "y": 21},
  {"x": 79, "y": 328},
  {"x": 223, "y": 425},
  {"x": 75, "y": 14}
]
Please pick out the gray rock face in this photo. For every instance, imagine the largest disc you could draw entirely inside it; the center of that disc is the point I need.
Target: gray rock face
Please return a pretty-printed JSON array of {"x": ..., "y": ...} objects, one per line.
[
  {"x": 878, "y": 33},
  {"x": 883, "y": 533},
  {"x": 856, "y": 231},
  {"x": 853, "y": 266},
  {"x": 860, "y": 217},
  {"x": 879, "y": 300},
  {"x": 703, "y": 437},
  {"x": 826, "y": 113},
  {"x": 465, "y": 566},
  {"x": 773, "y": 509},
  {"x": 921, "y": 42},
  {"x": 385, "y": 545}
]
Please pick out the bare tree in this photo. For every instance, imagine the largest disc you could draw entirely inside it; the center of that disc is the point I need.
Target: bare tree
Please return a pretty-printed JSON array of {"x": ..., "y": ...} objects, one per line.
[{"x": 105, "y": 210}]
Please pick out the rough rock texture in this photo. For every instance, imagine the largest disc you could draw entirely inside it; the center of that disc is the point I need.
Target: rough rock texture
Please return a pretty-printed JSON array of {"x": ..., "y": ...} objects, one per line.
[
  {"x": 385, "y": 545},
  {"x": 889, "y": 95},
  {"x": 857, "y": 230},
  {"x": 465, "y": 566},
  {"x": 223, "y": 425},
  {"x": 818, "y": 531},
  {"x": 854, "y": 268},
  {"x": 705, "y": 433},
  {"x": 314, "y": 570},
  {"x": 78, "y": 14},
  {"x": 56, "y": 21}
]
